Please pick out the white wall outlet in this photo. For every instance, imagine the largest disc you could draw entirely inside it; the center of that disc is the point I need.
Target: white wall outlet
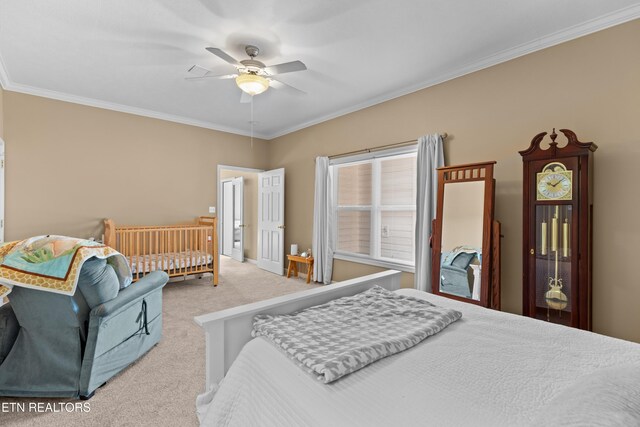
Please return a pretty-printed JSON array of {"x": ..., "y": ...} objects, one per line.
[{"x": 212, "y": 209}]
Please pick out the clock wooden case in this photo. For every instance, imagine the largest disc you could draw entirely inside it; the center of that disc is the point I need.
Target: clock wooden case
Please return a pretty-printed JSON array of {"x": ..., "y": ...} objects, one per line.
[{"x": 557, "y": 223}]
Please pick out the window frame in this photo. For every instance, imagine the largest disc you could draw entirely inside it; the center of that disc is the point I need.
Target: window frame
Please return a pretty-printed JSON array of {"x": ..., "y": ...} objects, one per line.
[{"x": 376, "y": 209}]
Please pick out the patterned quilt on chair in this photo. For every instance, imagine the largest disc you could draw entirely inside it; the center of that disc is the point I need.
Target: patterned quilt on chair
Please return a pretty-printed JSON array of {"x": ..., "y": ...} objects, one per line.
[
  {"x": 337, "y": 338},
  {"x": 53, "y": 263}
]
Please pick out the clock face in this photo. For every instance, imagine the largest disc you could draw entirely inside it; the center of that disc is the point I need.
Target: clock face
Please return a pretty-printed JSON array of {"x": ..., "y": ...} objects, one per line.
[{"x": 554, "y": 185}]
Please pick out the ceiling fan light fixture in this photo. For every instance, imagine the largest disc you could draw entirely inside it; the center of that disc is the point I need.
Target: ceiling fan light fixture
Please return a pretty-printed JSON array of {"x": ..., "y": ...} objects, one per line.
[{"x": 253, "y": 84}]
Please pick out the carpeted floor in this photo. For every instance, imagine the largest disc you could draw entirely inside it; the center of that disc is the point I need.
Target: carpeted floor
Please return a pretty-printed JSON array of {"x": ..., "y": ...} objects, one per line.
[{"x": 160, "y": 389}]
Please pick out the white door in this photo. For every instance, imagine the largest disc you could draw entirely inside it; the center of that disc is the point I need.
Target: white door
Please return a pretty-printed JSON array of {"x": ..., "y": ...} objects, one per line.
[
  {"x": 237, "y": 251},
  {"x": 227, "y": 217},
  {"x": 271, "y": 221}
]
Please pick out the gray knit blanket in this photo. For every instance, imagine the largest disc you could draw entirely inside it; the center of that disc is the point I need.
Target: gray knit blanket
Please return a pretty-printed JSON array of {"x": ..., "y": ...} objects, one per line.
[{"x": 337, "y": 338}]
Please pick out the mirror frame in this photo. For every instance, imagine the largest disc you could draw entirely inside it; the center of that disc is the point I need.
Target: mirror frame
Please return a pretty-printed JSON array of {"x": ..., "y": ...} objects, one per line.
[{"x": 450, "y": 175}]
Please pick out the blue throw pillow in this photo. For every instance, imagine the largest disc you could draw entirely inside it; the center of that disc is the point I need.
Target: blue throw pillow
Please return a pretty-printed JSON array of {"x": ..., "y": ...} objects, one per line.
[{"x": 98, "y": 282}]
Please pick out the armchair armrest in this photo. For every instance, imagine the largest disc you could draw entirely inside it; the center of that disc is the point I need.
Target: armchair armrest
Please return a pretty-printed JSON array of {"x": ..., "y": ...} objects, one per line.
[
  {"x": 121, "y": 330},
  {"x": 151, "y": 281},
  {"x": 8, "y": 330}
]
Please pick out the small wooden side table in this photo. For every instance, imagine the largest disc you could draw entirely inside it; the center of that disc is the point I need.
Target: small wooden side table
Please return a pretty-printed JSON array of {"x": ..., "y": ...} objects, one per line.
[{"x": 293, "y": 266}]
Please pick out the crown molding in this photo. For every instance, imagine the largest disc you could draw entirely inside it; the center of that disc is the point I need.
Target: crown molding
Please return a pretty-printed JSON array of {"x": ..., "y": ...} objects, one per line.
[
  {"x": 45, "y": 93},
  {"x": 603, "y": 22},
  {"x": 8, "y": 85},
  {"x": 598, "y": 24}
]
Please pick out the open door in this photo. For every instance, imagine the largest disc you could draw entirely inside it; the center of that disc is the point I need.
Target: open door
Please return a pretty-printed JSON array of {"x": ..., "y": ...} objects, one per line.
[
  {"x": 226, "y": 214},
  {"x": 271, "y": 221},
  {"x": 237, "y": 251},
  {"x": 232, "y": 215}
]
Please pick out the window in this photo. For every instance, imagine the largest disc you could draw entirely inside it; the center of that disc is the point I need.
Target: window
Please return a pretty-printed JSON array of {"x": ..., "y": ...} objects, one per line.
[{"x": 375, "y": 209}]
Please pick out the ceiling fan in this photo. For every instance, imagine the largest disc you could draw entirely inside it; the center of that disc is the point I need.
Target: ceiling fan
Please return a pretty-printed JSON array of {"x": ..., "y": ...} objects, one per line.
[{"x": 252, "y": 76}]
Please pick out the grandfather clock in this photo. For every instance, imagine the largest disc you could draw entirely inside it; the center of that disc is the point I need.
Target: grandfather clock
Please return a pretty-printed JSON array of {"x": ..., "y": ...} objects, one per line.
[{"x": 557, "y": 222}]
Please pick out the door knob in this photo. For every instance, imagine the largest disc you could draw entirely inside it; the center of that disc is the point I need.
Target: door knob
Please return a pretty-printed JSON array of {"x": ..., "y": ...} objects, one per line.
[
  {"x": 281, "y": 227},
  {"x": 242, "y": 225}
]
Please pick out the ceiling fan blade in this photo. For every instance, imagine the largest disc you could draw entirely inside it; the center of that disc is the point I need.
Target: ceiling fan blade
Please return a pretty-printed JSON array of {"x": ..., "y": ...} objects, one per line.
[
  {"x": 277, "y": 84},
  {"x": 212, "y": 76},
  {"x": 287, "y": 67},
  {"x": 223, "y": 55},
  {"x": 245, "y": 98}
]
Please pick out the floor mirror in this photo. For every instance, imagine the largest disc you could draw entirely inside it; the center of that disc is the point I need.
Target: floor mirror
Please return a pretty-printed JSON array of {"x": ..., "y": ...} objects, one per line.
[{"x": 465, "y": 236}]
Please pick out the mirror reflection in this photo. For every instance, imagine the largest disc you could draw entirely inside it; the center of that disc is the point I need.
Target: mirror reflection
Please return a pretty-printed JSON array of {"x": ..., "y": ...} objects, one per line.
[{"x": 461, "y": 248}]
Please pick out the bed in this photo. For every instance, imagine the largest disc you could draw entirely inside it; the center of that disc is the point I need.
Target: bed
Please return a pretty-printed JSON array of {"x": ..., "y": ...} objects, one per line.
[
  {"x": 180, "y": 250},
  {"x": 488, "y": 368}
]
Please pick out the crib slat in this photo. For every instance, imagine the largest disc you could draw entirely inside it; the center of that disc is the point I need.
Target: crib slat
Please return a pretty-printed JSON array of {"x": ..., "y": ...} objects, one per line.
[
  {"x": 192, "y": 261},
  {"x": 214, "y": 250},
  {"x": 202, "y": 251},
  {"x": 130, "y": 248},
  {"x": 156, "y": 251},
  {"x": 183, "y": 247},
  {"x": 163, "y": 247},
  {"x": 137, "y": 252},
  {"x": 174, "y": 252},
  {"x": 187, "y": 249},
  {"x": 143, "y": 255}
]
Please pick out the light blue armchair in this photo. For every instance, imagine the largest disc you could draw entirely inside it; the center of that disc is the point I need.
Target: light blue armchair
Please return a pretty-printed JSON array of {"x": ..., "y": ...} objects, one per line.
[
  {"x": 454, "y": 277},
  {"x": 53, "y": 345}
]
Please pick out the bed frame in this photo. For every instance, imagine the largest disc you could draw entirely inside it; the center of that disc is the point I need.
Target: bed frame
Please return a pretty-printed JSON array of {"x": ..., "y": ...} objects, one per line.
[
  {"x": 161, "y": 244},
  {"x": 227, "y": 331}
]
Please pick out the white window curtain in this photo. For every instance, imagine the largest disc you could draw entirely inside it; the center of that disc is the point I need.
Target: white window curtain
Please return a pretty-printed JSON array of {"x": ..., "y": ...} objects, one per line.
[
  {"x": 430, "y": 157},
  {"x": 322, "y": 223}
]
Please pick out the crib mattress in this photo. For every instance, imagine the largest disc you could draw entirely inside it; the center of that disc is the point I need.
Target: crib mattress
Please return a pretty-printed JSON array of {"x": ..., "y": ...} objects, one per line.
[{"x": 169, "y": 261}]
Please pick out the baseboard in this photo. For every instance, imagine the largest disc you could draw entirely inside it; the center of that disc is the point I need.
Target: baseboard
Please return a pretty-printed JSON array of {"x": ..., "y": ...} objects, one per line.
[{"x": 284, "y": 270}]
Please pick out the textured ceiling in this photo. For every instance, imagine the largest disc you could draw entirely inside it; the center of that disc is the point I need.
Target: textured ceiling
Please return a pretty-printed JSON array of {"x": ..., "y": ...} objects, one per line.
[{"x": 134, "y": 55}]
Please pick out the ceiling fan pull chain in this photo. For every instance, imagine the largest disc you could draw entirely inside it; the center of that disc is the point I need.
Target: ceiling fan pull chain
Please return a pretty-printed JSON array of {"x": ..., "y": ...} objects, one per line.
[{"x": 252, "y": 122}]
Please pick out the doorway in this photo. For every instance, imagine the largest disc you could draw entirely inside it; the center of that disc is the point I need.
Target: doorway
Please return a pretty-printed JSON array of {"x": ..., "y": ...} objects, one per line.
[
  {"x": 232, "y": 217},
  {"x": 238, "y": 212},
  {"x": 251, "y": 216}
]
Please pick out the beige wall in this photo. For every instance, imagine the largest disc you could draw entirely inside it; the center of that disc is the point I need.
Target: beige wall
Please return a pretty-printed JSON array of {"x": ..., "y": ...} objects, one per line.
[
  {"x": 250, "y": 193},
  {"x": 69, "y": 166},
  {"x": 590, "y": 85}
]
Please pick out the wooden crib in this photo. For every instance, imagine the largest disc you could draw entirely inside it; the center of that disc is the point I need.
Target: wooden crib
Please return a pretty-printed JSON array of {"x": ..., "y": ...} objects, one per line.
[{"x": 180, "y": 250}]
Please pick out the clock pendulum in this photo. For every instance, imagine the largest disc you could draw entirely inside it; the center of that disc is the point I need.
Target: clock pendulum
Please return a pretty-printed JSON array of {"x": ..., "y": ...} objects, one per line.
[{"x": 556, "y": 299}]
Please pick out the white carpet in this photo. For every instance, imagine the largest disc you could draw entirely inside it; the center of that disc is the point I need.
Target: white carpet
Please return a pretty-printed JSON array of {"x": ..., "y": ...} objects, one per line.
[{"x": 160, "y": 389}]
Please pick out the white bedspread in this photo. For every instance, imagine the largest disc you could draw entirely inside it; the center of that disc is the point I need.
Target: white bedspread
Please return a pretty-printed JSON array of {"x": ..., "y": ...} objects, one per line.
[{"x": 487, "y": 369}]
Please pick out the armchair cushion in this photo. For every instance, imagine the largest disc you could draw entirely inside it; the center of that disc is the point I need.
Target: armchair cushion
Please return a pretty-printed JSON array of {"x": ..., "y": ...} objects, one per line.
[{"x": 98, "y": 282}]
